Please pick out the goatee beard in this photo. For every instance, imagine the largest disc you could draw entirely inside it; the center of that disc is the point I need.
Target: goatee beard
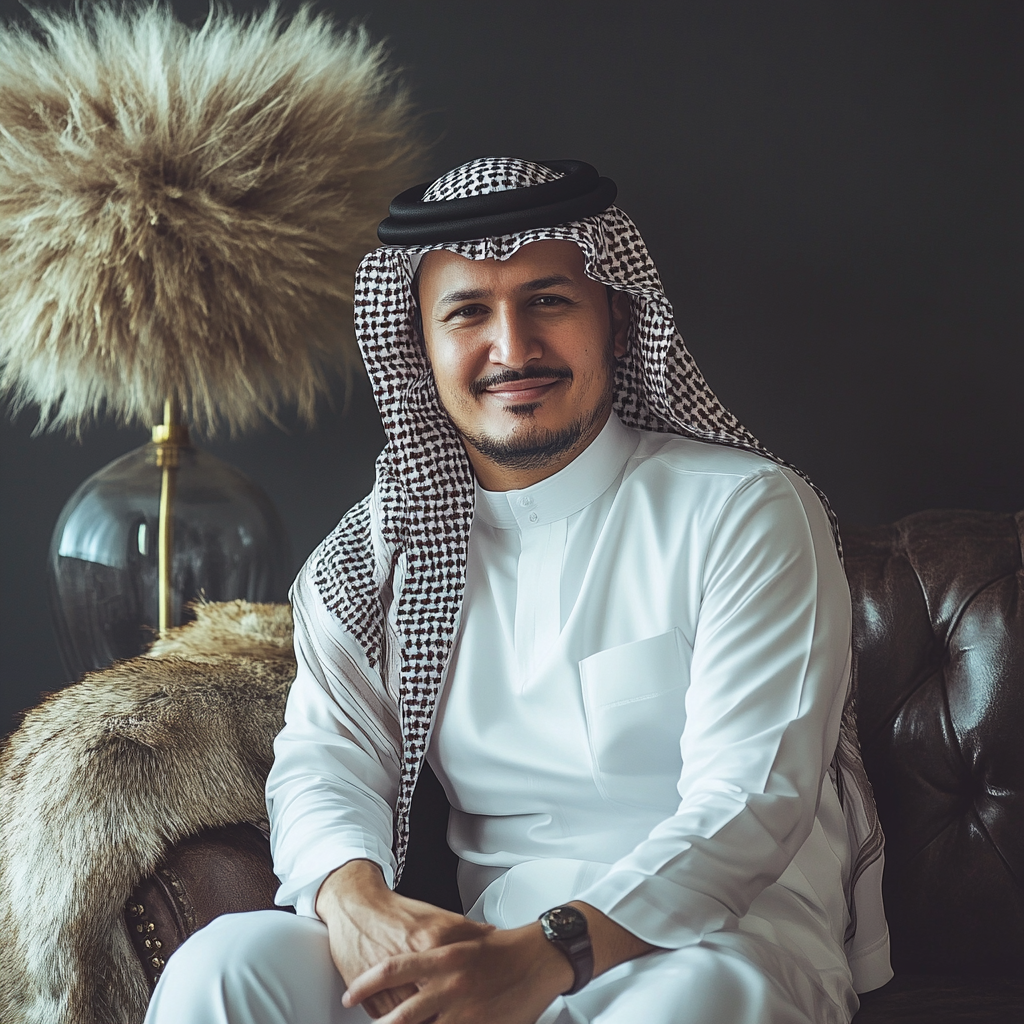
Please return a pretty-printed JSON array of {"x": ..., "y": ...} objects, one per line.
[{"x": 537, "y": 448}]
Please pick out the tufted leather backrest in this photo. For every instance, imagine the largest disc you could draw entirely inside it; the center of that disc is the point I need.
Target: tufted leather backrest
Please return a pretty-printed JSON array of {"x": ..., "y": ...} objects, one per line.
[{"x": 939, "y": 658}]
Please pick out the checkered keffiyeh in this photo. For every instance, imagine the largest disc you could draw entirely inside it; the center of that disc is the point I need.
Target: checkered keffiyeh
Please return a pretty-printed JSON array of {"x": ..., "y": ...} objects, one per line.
[{"x": 394, "y": 570}]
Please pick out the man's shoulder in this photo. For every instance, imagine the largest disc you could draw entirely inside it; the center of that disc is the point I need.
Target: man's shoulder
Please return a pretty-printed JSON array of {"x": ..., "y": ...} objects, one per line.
[
  {"x": 726, "y": 491},
  {"x": 674, "y": 454}
]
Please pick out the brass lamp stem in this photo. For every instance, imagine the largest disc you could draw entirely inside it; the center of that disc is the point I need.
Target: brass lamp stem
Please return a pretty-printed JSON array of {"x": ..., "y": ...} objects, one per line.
[
  {"x": 165, "y": 598},
  {"x": 169, "y": 437}
]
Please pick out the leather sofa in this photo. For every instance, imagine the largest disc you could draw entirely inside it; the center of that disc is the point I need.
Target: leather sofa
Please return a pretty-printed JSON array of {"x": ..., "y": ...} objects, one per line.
[{"x": 939, "y": 668}]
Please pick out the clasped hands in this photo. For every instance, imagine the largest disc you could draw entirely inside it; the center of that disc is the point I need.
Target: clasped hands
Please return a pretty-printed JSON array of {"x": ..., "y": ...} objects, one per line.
[{"x": 408, "y": 962}]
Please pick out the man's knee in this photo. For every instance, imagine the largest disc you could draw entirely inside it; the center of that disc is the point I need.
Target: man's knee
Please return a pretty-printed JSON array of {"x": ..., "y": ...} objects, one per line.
[
  {"x": 264, "y": 967},
  {"x": 703, "y": 983},
  {"x": 236, "y": 942}
]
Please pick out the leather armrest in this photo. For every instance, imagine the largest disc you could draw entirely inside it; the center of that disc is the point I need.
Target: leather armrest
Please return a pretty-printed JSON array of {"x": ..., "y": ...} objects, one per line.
[{"x": 220, "y": 871}]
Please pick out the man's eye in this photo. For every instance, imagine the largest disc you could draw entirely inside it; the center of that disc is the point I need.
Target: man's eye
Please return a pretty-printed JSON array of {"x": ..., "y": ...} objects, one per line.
[
  {"x": 465, "y": 313},
  {"x": 550, "y": 300}
]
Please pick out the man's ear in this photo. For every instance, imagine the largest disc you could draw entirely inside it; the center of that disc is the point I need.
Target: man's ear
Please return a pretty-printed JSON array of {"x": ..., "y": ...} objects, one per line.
[{"x": 620, "y": 310}]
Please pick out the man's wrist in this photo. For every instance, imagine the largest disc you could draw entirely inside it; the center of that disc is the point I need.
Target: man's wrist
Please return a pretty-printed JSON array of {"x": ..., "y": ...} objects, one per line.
[
  {"x": 356, "y": 881},
  {"x": 555, "y": 972},
  {"x": 612, "y": 944},
  {"x": 565, "y": 927}
]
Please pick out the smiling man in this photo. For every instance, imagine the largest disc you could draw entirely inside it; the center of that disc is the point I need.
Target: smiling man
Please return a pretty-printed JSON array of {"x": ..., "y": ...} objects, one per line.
[
  {"x": 523, "y": 352},
  {"x": 616, "y": 627}
]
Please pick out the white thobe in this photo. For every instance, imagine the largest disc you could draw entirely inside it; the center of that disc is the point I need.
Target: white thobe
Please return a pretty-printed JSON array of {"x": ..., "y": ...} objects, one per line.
[{"x": 639, "y": 712}]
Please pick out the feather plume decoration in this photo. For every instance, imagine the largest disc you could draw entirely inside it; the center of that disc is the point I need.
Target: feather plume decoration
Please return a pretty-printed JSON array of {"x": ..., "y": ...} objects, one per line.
[{"x": 182, "y": 210}]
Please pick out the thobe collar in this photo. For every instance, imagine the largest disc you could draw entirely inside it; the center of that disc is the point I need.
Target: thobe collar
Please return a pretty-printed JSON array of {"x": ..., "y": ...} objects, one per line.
[{"x": 569, "y": 490}]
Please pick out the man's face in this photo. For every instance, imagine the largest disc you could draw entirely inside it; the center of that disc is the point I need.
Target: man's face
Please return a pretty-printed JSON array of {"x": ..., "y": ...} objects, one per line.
[{"x": 523, "y": 351}]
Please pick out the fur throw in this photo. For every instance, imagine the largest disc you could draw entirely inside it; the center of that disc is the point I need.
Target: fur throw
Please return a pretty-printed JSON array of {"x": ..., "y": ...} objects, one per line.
[
  {"x": 105, "y": 776},
  {"x": 182, "y": 208}
]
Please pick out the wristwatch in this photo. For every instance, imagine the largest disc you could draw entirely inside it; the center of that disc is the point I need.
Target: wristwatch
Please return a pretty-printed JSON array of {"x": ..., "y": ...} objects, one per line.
[{"x": 566, "y": 928}]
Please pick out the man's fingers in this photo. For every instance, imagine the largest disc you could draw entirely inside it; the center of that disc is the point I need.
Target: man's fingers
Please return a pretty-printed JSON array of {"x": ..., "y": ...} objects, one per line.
[
  {"x": 382, "y": 1003},
  {"x": 397, "y": 972},
  {"x": 420, "y": 1009}
]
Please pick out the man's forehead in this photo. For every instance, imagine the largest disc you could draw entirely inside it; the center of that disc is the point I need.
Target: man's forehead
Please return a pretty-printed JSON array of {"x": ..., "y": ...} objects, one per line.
[{"x": 543, "y": 258}]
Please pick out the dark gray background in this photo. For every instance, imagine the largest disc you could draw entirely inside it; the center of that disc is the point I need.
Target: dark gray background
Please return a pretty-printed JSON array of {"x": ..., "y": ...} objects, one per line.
[{"x": 832, "y": 192}]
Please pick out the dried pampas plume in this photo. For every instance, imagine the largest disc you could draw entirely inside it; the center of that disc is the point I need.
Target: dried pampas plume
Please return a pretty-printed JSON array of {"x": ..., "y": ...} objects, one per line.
[{"x": 182, "y": 210}]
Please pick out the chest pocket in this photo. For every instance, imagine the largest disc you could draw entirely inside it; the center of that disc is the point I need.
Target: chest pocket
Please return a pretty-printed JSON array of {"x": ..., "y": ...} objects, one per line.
[{"x": 634, "y": 697}]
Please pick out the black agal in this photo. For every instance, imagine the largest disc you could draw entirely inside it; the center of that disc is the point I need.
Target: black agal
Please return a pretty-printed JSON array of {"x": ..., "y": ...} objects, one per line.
[{"x": 579, "y": 193}]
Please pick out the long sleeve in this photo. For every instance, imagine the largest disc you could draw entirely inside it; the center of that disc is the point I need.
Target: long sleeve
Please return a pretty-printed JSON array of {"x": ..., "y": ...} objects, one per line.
[
  {"x": 768, "y": 677},
  {"x": 336, "y": 767}
]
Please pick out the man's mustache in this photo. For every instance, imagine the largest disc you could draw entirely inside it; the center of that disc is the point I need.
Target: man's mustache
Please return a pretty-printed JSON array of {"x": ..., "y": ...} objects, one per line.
[{"x": 507, "y": 376}]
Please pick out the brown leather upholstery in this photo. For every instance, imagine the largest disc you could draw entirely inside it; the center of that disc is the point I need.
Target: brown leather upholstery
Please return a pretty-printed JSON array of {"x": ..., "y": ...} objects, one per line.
[
  {"x": 939, "y": 644},
  {"x": 219, "y": 871}
]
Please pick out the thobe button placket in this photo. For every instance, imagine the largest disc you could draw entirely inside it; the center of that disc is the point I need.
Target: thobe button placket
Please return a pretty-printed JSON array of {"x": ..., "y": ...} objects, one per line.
[{"x": 538, "y": 612}]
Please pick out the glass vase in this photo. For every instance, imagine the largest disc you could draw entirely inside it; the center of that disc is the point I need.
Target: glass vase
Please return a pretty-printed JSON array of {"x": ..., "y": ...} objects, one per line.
[{"x": 228, "y": 542}]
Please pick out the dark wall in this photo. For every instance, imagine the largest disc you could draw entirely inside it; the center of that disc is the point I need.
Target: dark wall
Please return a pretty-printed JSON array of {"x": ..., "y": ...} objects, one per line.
[{"x": 832, "y": 192}]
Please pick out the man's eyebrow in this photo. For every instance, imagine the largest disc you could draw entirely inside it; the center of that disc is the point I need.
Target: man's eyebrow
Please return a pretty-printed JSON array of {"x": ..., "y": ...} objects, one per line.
[
  {"x": 546, "y": 282},
  {"x": 465, "y": 295},
  {"x": 471, "y": 294}
]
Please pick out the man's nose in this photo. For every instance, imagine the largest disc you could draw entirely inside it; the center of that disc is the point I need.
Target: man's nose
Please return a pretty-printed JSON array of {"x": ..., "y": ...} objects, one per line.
[{"x": 514, "y": 342}]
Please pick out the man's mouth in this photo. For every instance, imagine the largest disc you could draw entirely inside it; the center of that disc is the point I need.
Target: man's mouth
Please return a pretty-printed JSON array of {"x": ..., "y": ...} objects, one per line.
[
  {"x": 519, "y": 388},
  {"x": 523, "y": 390}
]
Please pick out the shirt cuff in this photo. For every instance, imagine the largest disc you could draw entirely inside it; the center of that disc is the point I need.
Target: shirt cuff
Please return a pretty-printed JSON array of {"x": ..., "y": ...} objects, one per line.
[
  {"x": 657, "y": 910},
  {"x": 300, "y": 889}
]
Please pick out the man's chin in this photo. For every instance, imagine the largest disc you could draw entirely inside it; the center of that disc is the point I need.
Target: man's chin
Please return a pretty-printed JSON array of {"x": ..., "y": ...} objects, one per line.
[{"x": 532, "y": 448}]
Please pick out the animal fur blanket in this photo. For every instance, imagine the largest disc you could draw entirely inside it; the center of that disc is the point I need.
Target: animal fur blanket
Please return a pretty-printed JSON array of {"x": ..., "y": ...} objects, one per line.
[{"x": 108, "y": 774}]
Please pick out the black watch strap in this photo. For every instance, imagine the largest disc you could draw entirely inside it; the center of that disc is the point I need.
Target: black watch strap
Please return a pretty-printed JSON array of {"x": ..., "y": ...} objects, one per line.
[{"x": 566, "y": 928}]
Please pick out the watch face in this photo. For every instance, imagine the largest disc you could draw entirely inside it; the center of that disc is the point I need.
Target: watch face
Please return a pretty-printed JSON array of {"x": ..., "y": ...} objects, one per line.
[{"x": 563, "y": 923}]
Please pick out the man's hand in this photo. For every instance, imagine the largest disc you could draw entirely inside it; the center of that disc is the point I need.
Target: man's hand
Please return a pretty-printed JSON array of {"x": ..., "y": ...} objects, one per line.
[
  {"x": 368, "y": 924},
  {"x": 505, "y": 977}
]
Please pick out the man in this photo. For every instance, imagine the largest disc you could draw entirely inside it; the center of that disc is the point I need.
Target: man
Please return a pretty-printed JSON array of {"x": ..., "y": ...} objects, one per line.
[{"x": 616, "y": 627}]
